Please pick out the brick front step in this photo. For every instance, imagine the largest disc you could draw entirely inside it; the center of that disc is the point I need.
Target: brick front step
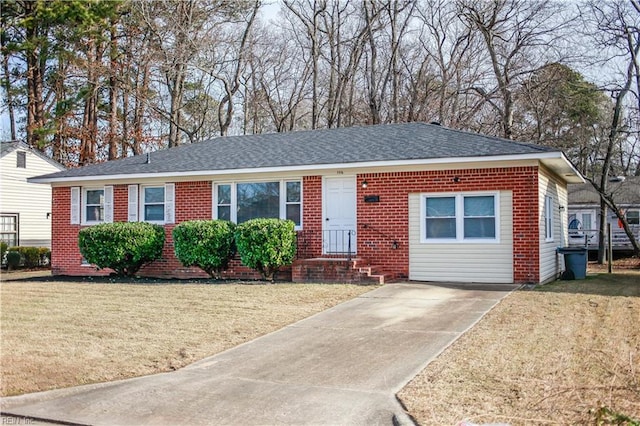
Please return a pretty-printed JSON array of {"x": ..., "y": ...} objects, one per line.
[{"x": 337, "y": 270}]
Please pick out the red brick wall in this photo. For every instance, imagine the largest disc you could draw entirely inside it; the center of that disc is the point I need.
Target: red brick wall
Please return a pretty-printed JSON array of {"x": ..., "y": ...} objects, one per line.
[
  {"x": 65, "y": 256},
  {"x": 379, "y": 224},
  {"x": 310, "y": 239}
]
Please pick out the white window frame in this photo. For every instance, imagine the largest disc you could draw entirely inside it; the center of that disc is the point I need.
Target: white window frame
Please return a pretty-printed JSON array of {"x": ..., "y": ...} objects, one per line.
[
  {"x": 143, "y": 203},
  {"x": 284, "y": 203},
  {"x": 16, "y": 221},
  {"x": 459, "y": 204},
  {"x": 83, "y": 205},
  {"x": 548, "y": 218},
  {"x": 234, "y": 200}
]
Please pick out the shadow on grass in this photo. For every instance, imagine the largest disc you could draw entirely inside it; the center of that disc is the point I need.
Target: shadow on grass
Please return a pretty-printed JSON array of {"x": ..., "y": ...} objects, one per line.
[{"x": 626, "y": 283}]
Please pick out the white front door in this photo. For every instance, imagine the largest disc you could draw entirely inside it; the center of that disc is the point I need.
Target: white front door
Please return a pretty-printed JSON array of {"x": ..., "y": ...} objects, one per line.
[{"x": 339, "y": 225}]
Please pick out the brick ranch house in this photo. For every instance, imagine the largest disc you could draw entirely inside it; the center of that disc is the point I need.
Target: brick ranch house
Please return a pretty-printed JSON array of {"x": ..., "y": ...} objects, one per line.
[{"x": 405, "y": 201}]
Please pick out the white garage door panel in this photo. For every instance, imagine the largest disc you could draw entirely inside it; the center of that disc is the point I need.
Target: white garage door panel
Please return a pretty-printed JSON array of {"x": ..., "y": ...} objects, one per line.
[{"x": 491, "y": 263}]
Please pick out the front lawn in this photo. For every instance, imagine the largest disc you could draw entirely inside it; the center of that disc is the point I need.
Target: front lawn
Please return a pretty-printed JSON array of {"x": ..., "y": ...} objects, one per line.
[
  {"x": 566, "y": 353},
  {"x": 59, "y": 334}
]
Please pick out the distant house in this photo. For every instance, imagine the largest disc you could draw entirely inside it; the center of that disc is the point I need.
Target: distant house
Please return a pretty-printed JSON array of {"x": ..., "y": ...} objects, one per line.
[
  {"x": 25, "y": 208},
  {"x": 584, "y": 212},
  {"x": 411, "y": 201}
]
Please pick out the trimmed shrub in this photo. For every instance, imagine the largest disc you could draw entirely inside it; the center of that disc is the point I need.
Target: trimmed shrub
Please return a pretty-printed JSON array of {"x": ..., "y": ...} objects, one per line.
[
  {"x": 124, "y": 247},
  {"x": 207, "y": 244},
  {"x": 14, "y": 258},
  {"x": 266, "y": 245},
  {"x": 31, "y": 256}
]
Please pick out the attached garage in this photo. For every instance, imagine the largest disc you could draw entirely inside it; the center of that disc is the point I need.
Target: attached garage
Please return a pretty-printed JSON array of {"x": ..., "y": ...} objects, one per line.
[{"x": 449, "y": 241}]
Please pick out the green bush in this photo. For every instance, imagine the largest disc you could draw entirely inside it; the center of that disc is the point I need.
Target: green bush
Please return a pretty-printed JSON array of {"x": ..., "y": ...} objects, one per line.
[
  {"x": 266, "y": 245},
  {"x": 14, "y": 259},
  {"x": 31, "y": 256},
  {"x": 3, "y": 249},
  {"x": 207, "y": 244},
  {"x": 123, "y": 246}
]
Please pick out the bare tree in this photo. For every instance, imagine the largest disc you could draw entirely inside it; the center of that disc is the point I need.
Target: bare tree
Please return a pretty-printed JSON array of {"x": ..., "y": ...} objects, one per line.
[
  {"x": 278, "y": 82},
  {"x": 618, "y": 25},
  {"x": 519, "y": 37},
  {"x": 308, "y": 14},
  {"x": 231, "y": 81},
  {"x": 450, "y": 68}
]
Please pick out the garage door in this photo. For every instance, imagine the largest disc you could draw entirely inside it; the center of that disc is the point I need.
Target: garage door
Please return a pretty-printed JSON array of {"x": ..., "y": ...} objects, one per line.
[{"x": 448, "y": 259}]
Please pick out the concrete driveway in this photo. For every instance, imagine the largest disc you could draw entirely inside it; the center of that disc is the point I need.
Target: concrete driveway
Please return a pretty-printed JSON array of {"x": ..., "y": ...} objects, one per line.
[{"x": 342, "y": 366}]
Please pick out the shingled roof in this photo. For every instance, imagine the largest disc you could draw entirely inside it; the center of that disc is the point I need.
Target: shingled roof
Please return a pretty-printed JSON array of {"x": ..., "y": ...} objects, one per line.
[
  {"x": 626, "y": 192},
  {"x": 7, "y": 147},
  {"x": 341, "y": 146}
]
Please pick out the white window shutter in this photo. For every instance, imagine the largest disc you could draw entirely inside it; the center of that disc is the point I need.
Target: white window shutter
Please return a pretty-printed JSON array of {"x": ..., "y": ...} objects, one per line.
[
  {"x": 75, "y": 205},
  {"x": 169, "y": 203},
  {"x": 133, "y": 203},
  {"x": 108, "y": 204}
]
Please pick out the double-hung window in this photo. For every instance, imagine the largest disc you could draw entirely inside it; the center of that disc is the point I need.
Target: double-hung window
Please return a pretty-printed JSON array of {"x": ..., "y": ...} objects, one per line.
[
  {"x": 293, "y": 203},
  {"x": 93, "y": 205},
  {"x": 454, "y": 218},
  {"x": 242, "y": 201},
  {"x": 548, "y": 218},
  {"x": 90, "y": 206},
  {"x": 441, "y": 218},
  {"x": 152, "y": 202},
  {"x": 479, "y": 217},
  {"x": 9, "y": 225},
  {"x": 633, "y": 217}
]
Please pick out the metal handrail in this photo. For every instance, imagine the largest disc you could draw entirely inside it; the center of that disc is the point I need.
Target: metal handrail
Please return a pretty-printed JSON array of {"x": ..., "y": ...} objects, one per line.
[{"x": 333, "y": 242}]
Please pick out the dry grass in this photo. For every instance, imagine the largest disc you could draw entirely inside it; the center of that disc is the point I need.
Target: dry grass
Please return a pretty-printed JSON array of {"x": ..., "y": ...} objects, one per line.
[
  {"x": 552, "y": 356},
  {"x": 64, "y": 334}
]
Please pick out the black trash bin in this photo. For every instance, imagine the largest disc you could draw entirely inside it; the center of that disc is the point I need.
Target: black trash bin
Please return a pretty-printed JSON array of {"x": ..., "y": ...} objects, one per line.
[{"x": 575, "y": 262}]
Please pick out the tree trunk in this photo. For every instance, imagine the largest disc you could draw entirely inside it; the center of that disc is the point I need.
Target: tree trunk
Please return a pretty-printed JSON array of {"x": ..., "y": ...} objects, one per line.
[
  {"x": 113, "y": 95},
  {"x": 7, "y": 84},
  {"x": 176, "y": 86}
]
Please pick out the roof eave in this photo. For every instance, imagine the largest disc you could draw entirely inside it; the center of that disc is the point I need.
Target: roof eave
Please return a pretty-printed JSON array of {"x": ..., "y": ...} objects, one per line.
[
  {"x": 556, "y": 160},
  {"x": 563, "y": 167}
]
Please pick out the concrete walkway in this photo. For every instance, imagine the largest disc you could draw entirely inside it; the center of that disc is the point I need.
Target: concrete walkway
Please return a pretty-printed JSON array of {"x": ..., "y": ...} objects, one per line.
[{"x": 342, "y": 366}]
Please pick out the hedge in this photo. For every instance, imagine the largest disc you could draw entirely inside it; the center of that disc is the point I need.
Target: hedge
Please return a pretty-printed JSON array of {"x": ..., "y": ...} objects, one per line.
[{"x": 30, "y": 257}]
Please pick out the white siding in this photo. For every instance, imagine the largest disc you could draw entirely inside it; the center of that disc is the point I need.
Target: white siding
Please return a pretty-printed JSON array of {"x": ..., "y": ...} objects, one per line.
[
  {"x": 550, "y": 262},
  {"x": 462, "y": 262},
  {"x": 32, "y": 201}
]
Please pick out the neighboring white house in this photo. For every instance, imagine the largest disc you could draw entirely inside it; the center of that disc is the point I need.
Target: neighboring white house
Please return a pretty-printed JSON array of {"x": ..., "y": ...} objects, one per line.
[
  {"x": 584, "y": 212},
  {"x": 25, "y": 208}
]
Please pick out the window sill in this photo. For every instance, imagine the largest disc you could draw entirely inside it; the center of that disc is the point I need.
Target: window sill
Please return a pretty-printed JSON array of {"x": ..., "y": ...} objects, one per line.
[
  {"x": 91, "y": 223},
  {"x": 467, "y": 241}
]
